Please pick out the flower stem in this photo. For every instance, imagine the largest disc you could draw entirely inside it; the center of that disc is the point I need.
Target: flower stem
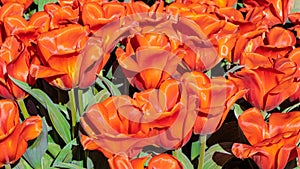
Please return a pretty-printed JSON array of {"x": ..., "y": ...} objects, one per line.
[
  {"x": 7, "y": 166},
  {"x": 23, "y": 108},
  {"x": 80, "y": 101},
  {"x": 202, "y": 140},
  {"x": 73, "y": 110}
]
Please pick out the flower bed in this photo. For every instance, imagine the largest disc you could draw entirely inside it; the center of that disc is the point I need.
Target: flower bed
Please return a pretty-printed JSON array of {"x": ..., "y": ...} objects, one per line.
[{"x": 141, "y": 85}]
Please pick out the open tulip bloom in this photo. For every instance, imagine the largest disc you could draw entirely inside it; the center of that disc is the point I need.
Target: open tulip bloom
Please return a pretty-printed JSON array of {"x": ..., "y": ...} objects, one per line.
[{"x": 180, "y": 84}]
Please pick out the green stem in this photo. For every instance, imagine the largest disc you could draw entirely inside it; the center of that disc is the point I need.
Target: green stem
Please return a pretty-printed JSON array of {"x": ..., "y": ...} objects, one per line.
[
  {"x": 80, "y": 101},
  {"x": 73, "y": 110},
  {"x": 7, "y": 166},
  {"x": 202, "y": 140},
  {"x": 265, "y": 114},
  {"x": 23, "y": 108},
  {"x": 291, "y": 108}
]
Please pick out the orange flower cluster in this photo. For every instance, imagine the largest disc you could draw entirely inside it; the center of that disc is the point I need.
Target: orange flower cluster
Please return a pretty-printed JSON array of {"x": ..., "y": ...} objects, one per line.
[{"x": 175, "y": 99}]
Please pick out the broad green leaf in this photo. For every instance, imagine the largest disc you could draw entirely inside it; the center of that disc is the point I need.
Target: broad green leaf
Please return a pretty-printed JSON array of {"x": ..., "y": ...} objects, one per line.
[
  {"x": 111, "y": 87},
  {"x": 237, "y": 110},
  {"x": 59, "y": 122},
  {"x": 195, "y": 151},
  {"x": 46, "y": 161},
  {"x": 35, "y": 152},
  {"x": 208, "y": 159},
  {"x": 180, "y": 156},
  {"x": 65, "y": 153},
  {"x": 41, "y": 3},
  {"x": 68, "y": 165},
  {"x": 63, "y": 109},
  {"x": 53, "y": 148},
  {"x": 22, "y": 165},
  {"x": 90, "y": 164},
  {"x": 87, "y": 96}
]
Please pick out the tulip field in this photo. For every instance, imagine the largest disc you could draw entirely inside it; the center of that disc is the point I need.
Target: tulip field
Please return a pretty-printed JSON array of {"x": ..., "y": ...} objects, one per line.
[{"x": 174, "y": 84}]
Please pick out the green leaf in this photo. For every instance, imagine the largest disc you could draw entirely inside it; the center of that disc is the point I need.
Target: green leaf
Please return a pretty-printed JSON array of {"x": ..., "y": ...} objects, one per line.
[
  {"x": 46, "y": 161},
  {"x": 90, "y": 164},
  {"x": 53, "y": 148},
  {"x": 237, "y": 110},
  {"x": 110, "y": 73},
  {"x": 64, "y": 154},
  {"x": 183, "y": 159},
  {"x": 208, "y": 159},
  {"x": 296, "y": 7},
  {"x": 41, "y": 3},
  {"x": 291, "y": 108},
  {"x": 169, "y": 1},
  {"x": 68, "y": 165},
  {"x": 195, "y": 151},
  {"x": 35, "y": 152},
  {"x": 59, "y": 122},
  {"x": 234, "y": 69},
  {"x": 110, "y": 86},
  {"x": 22, "y": 165}
]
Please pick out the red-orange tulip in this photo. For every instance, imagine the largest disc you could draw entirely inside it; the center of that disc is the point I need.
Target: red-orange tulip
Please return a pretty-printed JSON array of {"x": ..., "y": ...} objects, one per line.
[
  {"x": 13, "y": 135},
  {"x": 15, "y": 62},
  {"x": 68, "y": 64},
  {"x": 96, "y": 15},
  {"x": 220, "y": 33},
  {"x": 160, "y": 161},
  {"x": 295, "y": 57},
  {"x": 26, "y": 3},
  {"x": 268, "y": 87},
  {"x": 213, "y": 99},
  {"x": 277, "y": 44},
  {"x": 148, "y": 60},
  {"x": 61, "y": 15},
  {"x": 164, "y": 161},
  {"x": 279, "y": 8},
  {"x": 153, "y": 117},
  {"x": 27, "y": 31},
  {"x": 135, "y": 7},
  {"x": 9, "y": 9},
  {"x": 273, "y": 144}
]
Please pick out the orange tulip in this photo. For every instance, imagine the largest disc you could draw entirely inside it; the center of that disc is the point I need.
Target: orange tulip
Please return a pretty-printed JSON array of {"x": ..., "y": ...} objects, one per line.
[
  {"x": 135, "y": 7},
  {"x": 277, "y": 44},
  {"x": 268, "y": 87},
  {"x": 106, "y": 127},
  {"x": 61, "y": 15},
  {"x": 26, "y": 3},
  {"x": 152, "y": 117},
  {"x": 9, "y": 9},
  {"x": 15, "y": 62},
  {"x": 96, "y": 15},
  {"x": 164, "y": 161},
  {"x": 27, "y": 32},
  {"x": 295, "y": 57},
  {"x": 221, "y": 34},
  {"x": 121, "y": 161},
  {"x": 213, "y": 100},
  {"x": 279, "y": 8},
  {"x": 13, "y": 135},
  {"x": 67, "y": 64},
  {"x": 272, "y": 144},
  {"x": 150, "y": 62}
]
